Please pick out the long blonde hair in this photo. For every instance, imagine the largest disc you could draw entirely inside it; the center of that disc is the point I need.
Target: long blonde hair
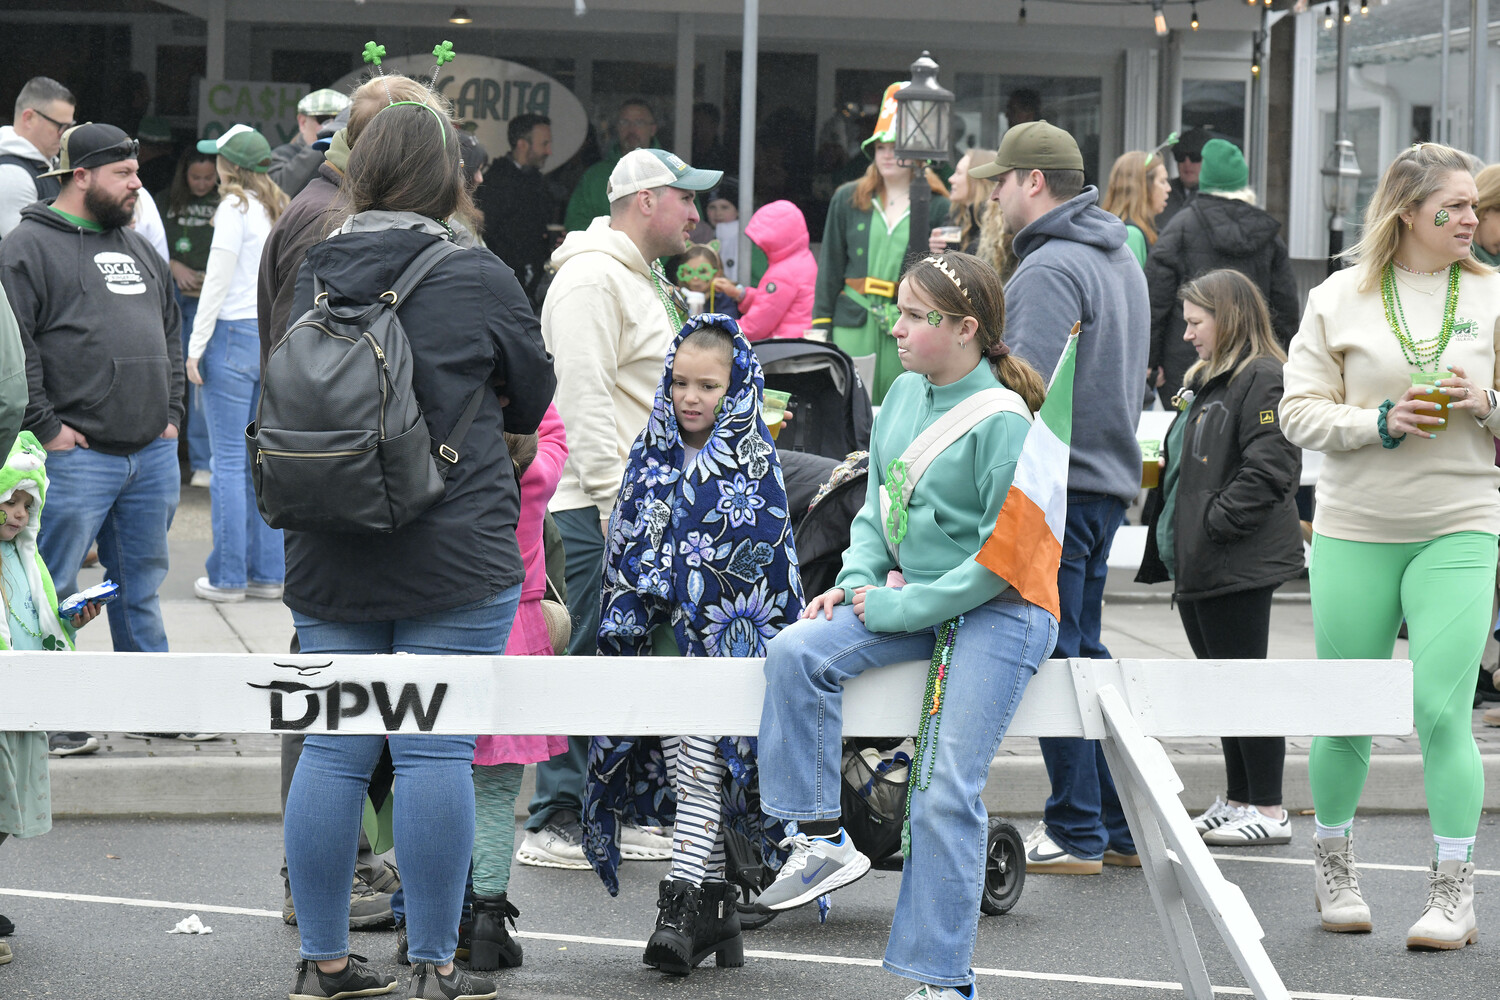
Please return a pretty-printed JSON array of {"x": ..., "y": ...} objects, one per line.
[
  {"x": 235, "y": 180},
  {"x": 1242, "y": 324},
  {"x": 1411, "y": 179},
  {"x": 986, "y": 303},
  {"x": 975, "y": 211},
  {"x": 871, "y": 182},
  {"x": 1128, "y": 195}
]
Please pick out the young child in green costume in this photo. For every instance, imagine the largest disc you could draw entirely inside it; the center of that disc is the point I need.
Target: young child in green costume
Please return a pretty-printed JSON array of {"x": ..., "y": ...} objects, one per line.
[{"x": 31, "y": 622}]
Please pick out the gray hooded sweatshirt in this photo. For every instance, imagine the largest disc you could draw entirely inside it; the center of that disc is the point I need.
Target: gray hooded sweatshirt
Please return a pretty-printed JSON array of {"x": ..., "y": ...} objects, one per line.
[{"x": 1075, "y": 267}]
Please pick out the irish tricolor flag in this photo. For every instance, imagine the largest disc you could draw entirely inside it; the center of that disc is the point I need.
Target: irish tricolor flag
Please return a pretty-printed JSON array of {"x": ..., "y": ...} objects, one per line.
[{"x": 1026, "y": 546}]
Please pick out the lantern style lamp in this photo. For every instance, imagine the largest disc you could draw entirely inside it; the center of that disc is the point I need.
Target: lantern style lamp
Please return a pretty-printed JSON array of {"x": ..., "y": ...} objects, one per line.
[{"x": 924, "y": 115}]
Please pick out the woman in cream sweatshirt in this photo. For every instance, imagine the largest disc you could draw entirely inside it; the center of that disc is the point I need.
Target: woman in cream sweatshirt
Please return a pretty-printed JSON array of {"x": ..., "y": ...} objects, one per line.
[{"x": 1407, "y": 508}]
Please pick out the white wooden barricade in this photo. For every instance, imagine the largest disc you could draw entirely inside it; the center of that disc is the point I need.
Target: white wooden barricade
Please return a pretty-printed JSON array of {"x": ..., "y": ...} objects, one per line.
[{"x": 1127, "y": 704}]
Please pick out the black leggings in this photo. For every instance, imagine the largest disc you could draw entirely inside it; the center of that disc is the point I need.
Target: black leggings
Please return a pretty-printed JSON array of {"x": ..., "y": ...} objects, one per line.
[{"x": 1235, "y": 627}]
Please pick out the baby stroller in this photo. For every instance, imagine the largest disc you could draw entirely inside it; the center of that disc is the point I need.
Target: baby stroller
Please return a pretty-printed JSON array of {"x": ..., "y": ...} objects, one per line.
[
  {"x": 875, "y": 771},
  {"x": 830, "y": 405}
]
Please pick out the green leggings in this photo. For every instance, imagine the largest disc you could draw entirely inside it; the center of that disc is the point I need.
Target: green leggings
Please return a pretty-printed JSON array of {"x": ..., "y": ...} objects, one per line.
[
  {"x": 495, "y": 790},
  {"x": 1443, "y": 588}
]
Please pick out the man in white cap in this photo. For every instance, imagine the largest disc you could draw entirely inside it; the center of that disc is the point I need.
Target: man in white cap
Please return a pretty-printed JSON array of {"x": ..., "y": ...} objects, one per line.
[
  {"x": 609, "y": 318},
  {"x": 295, "y": 163}
]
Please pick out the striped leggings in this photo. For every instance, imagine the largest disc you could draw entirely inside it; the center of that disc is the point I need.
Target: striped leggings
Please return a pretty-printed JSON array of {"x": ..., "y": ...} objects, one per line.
[{"x": 697, "y": 773}]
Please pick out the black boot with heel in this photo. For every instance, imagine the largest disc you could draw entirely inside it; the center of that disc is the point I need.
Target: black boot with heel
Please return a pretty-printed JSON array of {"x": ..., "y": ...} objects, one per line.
[
  {"x": 492, "y": 947},
  {"x": 718, "y": 930},
  {"x": 670, "y": 947}
]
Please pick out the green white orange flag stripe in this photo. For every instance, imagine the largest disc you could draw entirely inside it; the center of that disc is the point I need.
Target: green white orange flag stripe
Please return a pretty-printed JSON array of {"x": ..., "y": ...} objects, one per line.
[{"x": 1026, "y": 546}]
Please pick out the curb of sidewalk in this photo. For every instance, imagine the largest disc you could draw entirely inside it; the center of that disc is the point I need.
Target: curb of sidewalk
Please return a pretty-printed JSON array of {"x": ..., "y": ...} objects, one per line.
[{"x": 251, "y": 786}]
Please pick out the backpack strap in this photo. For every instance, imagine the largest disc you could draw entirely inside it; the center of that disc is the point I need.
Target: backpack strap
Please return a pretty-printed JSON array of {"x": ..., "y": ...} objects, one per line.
[
  {"x": 410, "y": 278},
  {"x": 448, "y": 450},
  {"x": 942, "y": 432}
]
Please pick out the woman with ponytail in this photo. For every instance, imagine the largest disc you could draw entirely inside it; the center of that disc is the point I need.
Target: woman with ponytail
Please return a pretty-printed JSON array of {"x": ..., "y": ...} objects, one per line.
[{"x": 911, "y": 589}]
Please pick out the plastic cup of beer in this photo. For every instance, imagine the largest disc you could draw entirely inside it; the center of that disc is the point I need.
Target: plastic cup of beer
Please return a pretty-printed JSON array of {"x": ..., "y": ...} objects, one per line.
[
  {"x": 1433, "y": 395},
  {"x": 951, "y": 234},
  {"x": 774, "y": 410},
  {"x": 1150, "y": 464}
]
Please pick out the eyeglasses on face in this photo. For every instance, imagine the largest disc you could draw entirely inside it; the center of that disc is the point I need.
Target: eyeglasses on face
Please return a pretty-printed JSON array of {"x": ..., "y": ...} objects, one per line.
[
  {"x": 696, "y": 272},
  {"x": 61, "y": 126}
]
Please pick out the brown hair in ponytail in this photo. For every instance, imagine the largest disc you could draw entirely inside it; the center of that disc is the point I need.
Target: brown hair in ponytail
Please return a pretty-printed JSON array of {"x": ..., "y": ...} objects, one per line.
[{"x": 943, "y": 280}]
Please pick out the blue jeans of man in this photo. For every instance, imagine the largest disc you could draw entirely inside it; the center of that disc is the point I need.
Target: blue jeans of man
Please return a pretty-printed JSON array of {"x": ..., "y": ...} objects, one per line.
[
  {"x": 433, "y": 822},
  {"x": 200, "y": 451},
  {"x": 559, "y": 780},
  {"x": 246, "y": 549},
  {"x": 995, "y": 654},
  {"x": 126, "y": 503},
  {"x": 1083, "y": 815}
]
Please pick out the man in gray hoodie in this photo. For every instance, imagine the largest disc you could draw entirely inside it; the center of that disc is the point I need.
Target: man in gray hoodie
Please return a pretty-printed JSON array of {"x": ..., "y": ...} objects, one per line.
[{"x": 1075, "y": 267}]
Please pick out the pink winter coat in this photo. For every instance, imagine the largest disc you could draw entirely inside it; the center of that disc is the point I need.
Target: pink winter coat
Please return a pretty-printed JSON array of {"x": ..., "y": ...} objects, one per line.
[
  {"x": 528, "y": 635},
  {"x": 782, "y": 304}
]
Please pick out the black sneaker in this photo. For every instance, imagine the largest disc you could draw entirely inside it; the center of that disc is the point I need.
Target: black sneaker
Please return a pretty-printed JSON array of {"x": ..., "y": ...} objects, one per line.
[
  {"x": 355, "y": 980},
  {"x": 429, "y": 984},
  {"x": 67, "y": 744}
]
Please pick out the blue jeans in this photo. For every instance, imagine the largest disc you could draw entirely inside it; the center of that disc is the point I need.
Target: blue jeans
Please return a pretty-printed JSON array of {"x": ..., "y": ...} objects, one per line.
[
  {"x": 559, "y": 780},
  {"x": 246, "y": 549},
  {"x": 1083, "y": 815},
  {"x": 200, "y": 451},
  {"x": 126, "y": 503},
  {"x": 995, "y": 655},
  {"x": 434, "y": 791}
]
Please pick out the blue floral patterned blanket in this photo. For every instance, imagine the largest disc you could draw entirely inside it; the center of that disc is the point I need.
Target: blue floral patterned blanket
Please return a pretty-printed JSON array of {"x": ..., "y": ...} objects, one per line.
[{"x": 706, "y": 550}]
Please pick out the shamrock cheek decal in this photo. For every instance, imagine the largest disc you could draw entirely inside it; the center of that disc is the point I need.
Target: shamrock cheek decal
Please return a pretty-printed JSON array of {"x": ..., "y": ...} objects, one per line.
[
  {"x": 1441, "y": 219},
  {"x": 934, "y": 318}
]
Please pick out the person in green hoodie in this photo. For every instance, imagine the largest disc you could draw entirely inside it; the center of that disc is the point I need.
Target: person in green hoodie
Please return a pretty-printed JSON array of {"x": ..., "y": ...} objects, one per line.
[
  {"x": 31, "y": 622},
  {"x": 911, "y": 589},
  {"x": 635, "y": 128}
]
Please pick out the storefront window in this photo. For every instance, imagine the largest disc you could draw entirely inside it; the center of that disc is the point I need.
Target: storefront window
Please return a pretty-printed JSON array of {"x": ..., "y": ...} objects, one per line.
[
  {"x": 989, "y": 103},
  {"x": 1217, "y": 106}
]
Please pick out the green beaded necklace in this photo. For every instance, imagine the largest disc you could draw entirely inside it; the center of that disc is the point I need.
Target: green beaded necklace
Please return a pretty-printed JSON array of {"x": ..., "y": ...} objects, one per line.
[
  {"x": 674, "y": 316},
  {"x": 1419, "y": 353},
  {"x": 924, "y": 754}
]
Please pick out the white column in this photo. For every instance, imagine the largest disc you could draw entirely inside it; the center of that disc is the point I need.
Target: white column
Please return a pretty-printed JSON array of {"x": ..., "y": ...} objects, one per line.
[
  {"x": 687, "y": 61},
  {"x": 749, "y": 64},
  {"x": 1307, "y": 222},
  {"x": 1479, "y": 78},
  {"x": 1139, "y": 92},
  {"x": 216, "y": 42}
]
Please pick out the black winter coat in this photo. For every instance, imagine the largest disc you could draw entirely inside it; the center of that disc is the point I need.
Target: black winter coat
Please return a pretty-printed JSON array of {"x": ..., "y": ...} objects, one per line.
[
  {"x": 468, "y": 324},
  {"x": 1236, "y": 525},
  {"x": 1210, "y": 233}
]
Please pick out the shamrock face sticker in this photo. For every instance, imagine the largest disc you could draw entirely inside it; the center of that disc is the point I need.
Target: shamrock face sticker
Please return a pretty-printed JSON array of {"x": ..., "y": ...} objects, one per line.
[
  {"x": 1441, "y": 219},
  {"x": 934, "y": 318}
]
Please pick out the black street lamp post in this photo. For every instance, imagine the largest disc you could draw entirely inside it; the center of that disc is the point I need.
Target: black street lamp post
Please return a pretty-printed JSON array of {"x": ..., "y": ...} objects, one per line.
[{"x": 924, "y": 116}]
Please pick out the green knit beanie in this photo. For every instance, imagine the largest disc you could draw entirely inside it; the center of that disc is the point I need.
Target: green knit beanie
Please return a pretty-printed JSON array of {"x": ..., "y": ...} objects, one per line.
[{"x": 1224, "y": 168}]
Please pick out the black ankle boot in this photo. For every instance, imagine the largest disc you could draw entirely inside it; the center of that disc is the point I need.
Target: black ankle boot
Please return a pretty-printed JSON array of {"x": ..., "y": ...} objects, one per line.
[
  {"x": 670, "y": 948},
  {"x": 718, "y": 928},
  {"x": 491, "y": 946}
]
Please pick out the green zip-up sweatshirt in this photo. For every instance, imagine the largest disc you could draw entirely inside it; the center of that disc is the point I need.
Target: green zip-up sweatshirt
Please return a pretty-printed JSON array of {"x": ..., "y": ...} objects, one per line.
[
  {"x": 846, "y": 238},
  {"x": 951, "y": 514}
]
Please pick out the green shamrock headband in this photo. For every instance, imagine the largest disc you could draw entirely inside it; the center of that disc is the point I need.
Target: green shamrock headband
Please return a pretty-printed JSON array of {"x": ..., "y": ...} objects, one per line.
[
  {"x": 443, "y": 53},
  {"x": 442, "y": 122},
  {"x": 1171, "y": 140}
]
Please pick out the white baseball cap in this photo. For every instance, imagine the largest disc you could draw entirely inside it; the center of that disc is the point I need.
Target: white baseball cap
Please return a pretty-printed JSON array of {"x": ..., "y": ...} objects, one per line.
[{"x": 641, "y": 169}]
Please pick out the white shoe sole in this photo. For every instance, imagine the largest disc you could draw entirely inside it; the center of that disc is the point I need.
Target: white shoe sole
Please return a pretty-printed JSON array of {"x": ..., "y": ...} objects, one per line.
[
  {"x": 536, "y": 860},
  {"x": 633, "y": 852},
  {"x": 852, "y": 872}
]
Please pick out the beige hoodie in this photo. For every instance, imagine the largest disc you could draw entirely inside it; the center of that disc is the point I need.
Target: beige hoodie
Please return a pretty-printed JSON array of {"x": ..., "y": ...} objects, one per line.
[
  {"x": 609, "y": 334},
  {"x": 1344, "y": 362}
]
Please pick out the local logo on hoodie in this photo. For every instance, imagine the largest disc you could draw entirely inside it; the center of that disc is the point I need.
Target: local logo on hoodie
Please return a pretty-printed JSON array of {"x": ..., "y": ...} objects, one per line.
[{"x": 121, "y": 274}]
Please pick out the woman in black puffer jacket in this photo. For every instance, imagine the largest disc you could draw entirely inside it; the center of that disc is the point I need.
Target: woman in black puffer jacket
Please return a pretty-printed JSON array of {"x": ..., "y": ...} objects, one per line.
[
  {"x": 1227, "y": 531},
  {"x": 1221, "y": 227}
]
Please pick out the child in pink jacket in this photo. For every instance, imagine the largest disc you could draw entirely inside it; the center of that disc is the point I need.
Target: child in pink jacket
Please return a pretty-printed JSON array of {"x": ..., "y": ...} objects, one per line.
[{"x": 781, "y": 305}]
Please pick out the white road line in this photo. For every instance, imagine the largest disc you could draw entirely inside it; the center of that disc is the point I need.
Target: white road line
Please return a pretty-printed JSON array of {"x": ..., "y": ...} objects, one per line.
[
  {"x": 780, "y": 956},
  {"x": 1363, "y": 865}
]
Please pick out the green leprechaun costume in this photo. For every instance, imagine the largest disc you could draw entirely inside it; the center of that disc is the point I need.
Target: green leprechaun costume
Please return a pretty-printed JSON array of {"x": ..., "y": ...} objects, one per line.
[{"x": 861, "y": 264}]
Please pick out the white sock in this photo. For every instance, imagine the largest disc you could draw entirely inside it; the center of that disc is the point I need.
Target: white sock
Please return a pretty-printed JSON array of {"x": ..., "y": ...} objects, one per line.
[
  {"x": 1454, "y": 848},
  {"x": 1324, "y": 832}
]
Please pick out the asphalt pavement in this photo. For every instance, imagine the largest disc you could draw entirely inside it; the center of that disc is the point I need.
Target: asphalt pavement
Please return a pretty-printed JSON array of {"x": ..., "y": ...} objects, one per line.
[{"x": 94, "y": 899}]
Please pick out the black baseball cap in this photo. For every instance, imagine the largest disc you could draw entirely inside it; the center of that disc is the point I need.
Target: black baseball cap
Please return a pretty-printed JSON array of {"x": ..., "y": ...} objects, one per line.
[{"x": 91, "y": 145}]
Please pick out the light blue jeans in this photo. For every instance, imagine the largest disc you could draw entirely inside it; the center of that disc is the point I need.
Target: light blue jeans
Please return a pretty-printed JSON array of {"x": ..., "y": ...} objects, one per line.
[
  {"x": 246, "y": 549},
  {"x": 126, "y": 502},
  {"x": 434, "y": 791},
  {"x": 200, "y": 451},
  {"x": 996, "y": 653}
]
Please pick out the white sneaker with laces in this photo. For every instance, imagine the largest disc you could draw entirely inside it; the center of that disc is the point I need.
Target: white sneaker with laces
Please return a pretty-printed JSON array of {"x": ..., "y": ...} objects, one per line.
[
  {"x": 1043, "y": 856},
  {"x": 1447, "y": 922},
  {"x": 643, "y": 843},
  {"x": 816, "y": 865},
  {"x": 1336, "y": 885},
  {"x": 1249, "y": 827},
  {"x": 206, "y": 591},
  {"x": 559, "y": 844},
  {"x": 927, "y": 992},
  {"x": 1214, "y": 816}
]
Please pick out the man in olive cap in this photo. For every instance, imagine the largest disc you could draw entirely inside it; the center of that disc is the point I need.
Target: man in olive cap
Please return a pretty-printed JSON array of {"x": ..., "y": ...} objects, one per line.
[
  {"x": 1075, "y": 268},
  {"x": 295, "y": 163}
]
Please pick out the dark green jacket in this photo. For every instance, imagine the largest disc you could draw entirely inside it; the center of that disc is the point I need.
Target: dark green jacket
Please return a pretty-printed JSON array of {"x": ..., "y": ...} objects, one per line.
[{"x": 845, "y": 237}]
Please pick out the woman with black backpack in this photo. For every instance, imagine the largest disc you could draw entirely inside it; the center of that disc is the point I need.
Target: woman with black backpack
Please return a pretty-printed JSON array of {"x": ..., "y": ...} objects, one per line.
[{"x": 446, "y": 582}]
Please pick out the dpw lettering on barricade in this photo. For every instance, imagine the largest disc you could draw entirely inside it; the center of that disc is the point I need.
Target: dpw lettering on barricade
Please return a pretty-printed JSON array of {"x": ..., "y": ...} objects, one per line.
[{"x": 339, "y": 700}]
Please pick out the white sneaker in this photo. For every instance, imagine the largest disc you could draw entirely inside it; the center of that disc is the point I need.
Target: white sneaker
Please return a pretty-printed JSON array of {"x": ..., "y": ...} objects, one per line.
[
  {"x": 644, "y": 843},
  {"x": 264, "y": 591},
  {"x": 201, "y": 478},
  {"x": 1214, "y": 816},
  {"x": 1336, "y": 887},
  {"x": 206, "y": 591},
  {"x": 1045, "y": 857},
  {"x": 829, "y": 864},
  {"x": 1249, "y": 827},
  {"x": 926, "y": 992},
  {"x": 559, "y": 844},
  {"x": 1447, "y": 921}
]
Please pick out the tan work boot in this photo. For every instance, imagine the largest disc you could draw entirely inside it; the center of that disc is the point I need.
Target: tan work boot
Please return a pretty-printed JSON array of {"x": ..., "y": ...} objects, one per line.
[
  {"x": 1447, "y": 921},
  {"x": 1337, "y": 887}
]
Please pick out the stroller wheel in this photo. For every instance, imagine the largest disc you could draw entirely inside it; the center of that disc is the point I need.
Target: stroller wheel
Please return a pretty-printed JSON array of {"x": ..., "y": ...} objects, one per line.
[{"x": 1004, "y": 868}]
